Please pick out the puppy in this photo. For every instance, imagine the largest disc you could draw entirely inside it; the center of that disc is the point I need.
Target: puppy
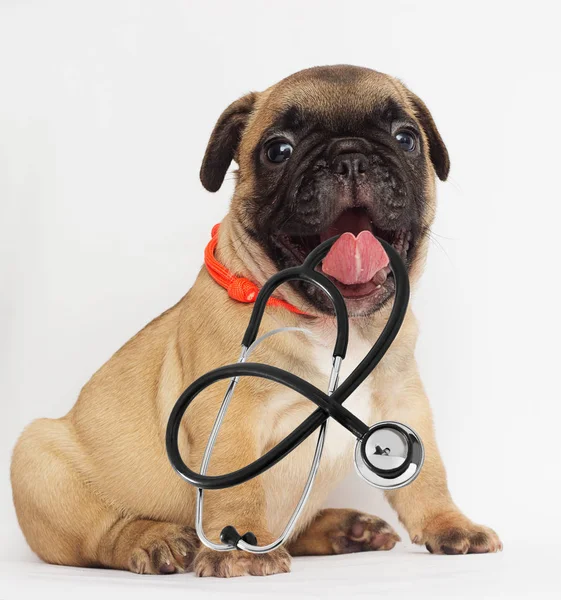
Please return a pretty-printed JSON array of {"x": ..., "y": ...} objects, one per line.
[{"x": 325, "y": 151}]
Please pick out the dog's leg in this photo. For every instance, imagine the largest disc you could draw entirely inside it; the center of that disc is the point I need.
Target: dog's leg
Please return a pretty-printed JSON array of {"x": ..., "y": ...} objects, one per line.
[
  {"x": 243, "y": 506},
  {"x": 341, "y": 531},
  {"x": 66, "y": 521},
  {"x": 57, "y": 509},
  {"x": 145, "y": 546},
  {"x": 425, "y": 507}
]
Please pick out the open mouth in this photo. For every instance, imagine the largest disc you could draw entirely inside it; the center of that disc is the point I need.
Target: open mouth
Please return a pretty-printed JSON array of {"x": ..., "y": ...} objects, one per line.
[{"x": 379, "y": 281}]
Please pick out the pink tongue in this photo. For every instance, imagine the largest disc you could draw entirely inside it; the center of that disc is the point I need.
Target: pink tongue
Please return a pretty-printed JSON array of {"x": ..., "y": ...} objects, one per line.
[{"x": 353, "y": 260}]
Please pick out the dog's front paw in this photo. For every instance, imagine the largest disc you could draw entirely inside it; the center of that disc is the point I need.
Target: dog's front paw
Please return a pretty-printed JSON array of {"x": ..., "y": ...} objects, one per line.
[
  {"x": 453, "y": 533},
  {"x": 164, "y": 548},
  {"x": 360, "y": 532},
  {"x": 209, "y": 563}
]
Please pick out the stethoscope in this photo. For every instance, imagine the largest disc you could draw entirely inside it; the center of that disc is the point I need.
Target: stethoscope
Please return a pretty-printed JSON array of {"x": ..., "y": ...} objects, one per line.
[{"x": 388, "y": 455}]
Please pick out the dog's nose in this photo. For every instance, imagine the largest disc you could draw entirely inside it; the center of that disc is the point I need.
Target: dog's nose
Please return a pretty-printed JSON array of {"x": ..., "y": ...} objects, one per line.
[
  {"x": 351, "y": 166},
  {"x": 348, "y": 157}
]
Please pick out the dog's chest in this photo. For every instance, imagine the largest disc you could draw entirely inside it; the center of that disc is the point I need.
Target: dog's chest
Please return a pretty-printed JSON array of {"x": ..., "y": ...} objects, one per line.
[{"x": 287, "y": 409}]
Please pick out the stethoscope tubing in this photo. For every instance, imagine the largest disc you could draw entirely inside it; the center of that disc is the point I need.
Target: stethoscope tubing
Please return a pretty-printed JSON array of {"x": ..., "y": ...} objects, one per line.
[
  {"x": 326, "y": 409},
  {"x": 327, "y": 405}
]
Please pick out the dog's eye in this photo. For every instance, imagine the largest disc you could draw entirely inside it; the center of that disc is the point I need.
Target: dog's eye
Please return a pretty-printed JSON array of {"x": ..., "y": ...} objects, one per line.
[
  {"x": 406, "y": 140},
  {"x": 279, "y": 151}
]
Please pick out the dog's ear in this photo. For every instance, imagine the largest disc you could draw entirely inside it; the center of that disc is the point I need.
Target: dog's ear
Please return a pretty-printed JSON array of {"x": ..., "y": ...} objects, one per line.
[
  {"x": 438, "y": 153},
  {"x": 223, "y": 143}
]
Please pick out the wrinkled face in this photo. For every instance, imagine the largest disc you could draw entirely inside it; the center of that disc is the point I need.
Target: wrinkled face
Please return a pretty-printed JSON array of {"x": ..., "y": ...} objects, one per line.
[{"x": 333, "y": 150}]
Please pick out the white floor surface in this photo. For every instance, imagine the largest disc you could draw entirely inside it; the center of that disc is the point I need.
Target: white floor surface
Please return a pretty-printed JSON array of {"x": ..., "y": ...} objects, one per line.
[{"x": 520, "y": 571}]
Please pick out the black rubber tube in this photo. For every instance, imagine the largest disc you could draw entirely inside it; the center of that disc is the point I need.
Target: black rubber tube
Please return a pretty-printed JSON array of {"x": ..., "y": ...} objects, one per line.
[
  {"x": 302, "y": 273},
  {"x": 327, "y": 408}
]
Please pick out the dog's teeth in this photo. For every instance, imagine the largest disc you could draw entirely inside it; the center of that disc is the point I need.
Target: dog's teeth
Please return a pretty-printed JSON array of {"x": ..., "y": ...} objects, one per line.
[{"x": 380, "y": 276}]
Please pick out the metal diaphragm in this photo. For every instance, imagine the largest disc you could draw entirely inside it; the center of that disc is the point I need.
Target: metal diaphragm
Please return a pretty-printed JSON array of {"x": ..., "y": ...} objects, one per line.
[{"x": 389, "y": 456}]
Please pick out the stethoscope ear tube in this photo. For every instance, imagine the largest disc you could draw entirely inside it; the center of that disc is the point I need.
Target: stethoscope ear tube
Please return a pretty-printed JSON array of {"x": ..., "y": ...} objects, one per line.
[{"x": 303, "y": 273}]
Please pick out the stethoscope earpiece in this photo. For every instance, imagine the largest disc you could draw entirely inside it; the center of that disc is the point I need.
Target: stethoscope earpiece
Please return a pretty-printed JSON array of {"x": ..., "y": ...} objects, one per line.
[{"x": 389, "y": 456}]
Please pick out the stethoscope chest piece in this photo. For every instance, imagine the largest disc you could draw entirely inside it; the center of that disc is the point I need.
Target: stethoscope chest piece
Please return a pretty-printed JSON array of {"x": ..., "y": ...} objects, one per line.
[{"x": 389, "y": 456}]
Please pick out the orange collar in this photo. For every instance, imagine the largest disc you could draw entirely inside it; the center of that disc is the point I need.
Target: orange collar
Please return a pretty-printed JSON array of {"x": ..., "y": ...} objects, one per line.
[{"x": 238, "y": 288}]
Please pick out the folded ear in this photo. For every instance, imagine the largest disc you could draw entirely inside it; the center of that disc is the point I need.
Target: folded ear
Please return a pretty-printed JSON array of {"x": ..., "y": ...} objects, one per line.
[
  {"x": 438, "y": 153},
  {"x": 224, "y": 140}
]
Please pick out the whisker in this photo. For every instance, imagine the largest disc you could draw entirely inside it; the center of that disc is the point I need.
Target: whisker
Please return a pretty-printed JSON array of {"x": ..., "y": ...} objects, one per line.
[{"x": 431, "y": 235}]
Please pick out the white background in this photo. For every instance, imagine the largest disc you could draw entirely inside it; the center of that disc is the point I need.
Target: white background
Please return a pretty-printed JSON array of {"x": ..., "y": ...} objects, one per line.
[{"x": 105, "y": 110}]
